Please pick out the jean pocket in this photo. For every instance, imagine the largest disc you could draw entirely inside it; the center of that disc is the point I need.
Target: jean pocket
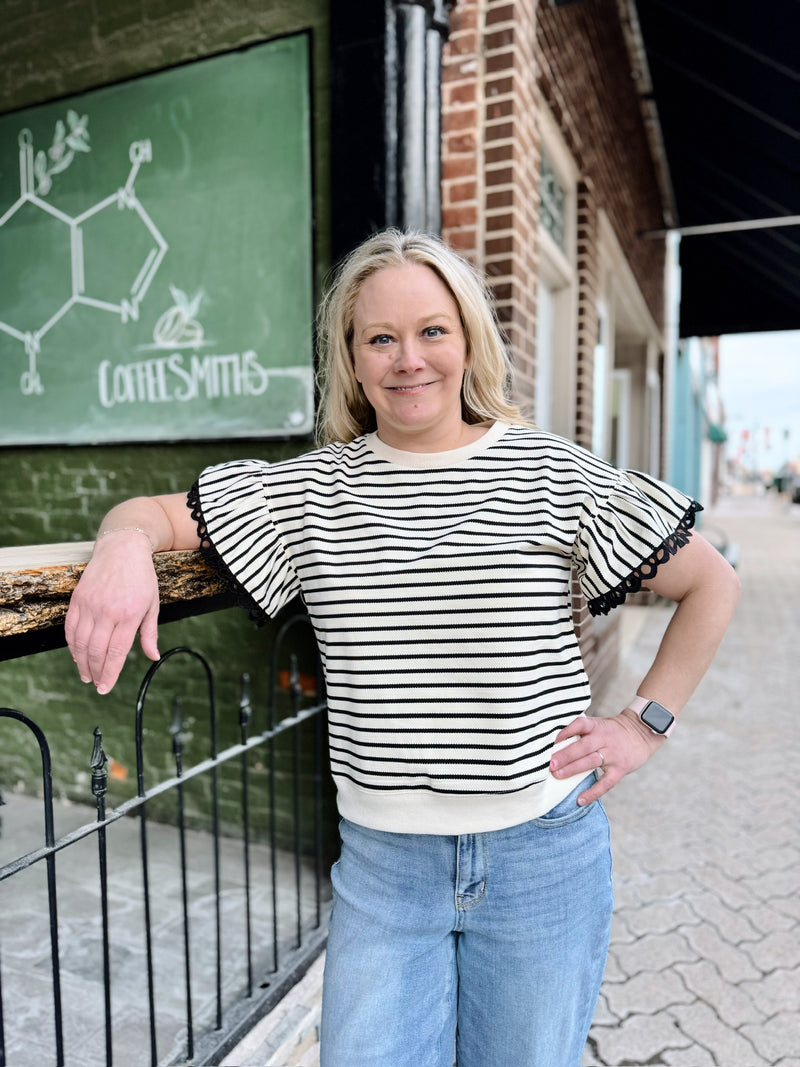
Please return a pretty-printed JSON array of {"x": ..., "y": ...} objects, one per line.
[{"x": 568, "y": 810}]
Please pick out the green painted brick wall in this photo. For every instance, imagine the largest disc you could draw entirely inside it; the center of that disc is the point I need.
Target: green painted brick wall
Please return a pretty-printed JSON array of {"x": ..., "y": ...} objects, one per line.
[{"x": 49, "y": 49}]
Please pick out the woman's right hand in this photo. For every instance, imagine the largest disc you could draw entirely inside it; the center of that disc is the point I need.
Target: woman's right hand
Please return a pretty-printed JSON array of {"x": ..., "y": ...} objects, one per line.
[{"x": 116, "y": 598}]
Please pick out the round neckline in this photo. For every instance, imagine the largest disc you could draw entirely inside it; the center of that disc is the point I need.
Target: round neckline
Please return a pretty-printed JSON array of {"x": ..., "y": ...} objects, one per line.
[{"x": 401, "y": 458}]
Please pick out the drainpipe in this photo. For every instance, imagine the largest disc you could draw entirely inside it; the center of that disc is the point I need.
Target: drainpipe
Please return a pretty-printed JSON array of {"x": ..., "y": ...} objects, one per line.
[
  {"x": 416, "y": 32},
  {"x": 386, "y": 124},
  {"x": 410, "y": 88},
  {"x": 436, "y": 36},
  {"x": 672, "y": 302}
]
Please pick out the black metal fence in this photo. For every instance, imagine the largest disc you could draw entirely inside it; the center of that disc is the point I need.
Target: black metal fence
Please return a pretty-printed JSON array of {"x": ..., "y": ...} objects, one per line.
[{"x": 135, "y": 939}]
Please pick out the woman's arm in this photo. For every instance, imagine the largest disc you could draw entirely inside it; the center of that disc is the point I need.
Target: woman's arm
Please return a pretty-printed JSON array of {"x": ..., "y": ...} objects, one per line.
[
  {"x": 117, "y": 595},
  {"x": 706, "y": 589}
]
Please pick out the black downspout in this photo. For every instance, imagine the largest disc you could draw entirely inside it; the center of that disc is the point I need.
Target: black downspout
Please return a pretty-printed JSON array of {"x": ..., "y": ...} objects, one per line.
[
  {"x": 410, "y": 31},
  {"x": 386, "y": 120},
  {"x": 436, "y": 36}
]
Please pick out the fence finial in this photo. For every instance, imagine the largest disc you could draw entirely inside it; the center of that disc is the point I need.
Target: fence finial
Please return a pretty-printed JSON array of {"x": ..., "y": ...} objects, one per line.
[{"x": 99, "y": 765}]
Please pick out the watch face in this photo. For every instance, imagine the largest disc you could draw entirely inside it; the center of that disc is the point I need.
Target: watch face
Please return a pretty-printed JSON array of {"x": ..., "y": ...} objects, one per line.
[{"x": 657, "y": 717}]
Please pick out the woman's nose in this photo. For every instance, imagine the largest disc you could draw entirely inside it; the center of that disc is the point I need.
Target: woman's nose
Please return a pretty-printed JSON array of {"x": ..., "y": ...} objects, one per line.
[{"x": 409, "y": 356}]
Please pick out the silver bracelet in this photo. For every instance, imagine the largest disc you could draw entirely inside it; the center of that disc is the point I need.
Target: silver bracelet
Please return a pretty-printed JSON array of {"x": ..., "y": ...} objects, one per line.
[{"x": 124, "y": 529}]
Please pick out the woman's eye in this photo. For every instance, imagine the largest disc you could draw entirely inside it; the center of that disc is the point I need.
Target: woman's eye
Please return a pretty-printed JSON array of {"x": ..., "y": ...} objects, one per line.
[
  {"x": 381, "y": 339},
  {"x": 433, "y": 331}
]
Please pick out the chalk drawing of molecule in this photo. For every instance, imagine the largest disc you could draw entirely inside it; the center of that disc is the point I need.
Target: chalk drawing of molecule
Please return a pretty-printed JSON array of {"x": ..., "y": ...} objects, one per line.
[{"x": 63, "y": 248}]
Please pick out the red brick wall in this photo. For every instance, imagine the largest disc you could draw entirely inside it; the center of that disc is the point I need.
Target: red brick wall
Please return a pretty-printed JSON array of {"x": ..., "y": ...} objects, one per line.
[
  {"x": 587, "y": 268},
  {"x": 582, "y": 56},
  {"x": 504, "y": 59},
  {"x": 462, "y": 133},
  {"x": 490, "y": 182}
]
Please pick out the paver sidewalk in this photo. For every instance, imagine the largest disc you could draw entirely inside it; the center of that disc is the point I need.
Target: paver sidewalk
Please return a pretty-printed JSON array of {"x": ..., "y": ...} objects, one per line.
[{"x": 704, "y": 968}]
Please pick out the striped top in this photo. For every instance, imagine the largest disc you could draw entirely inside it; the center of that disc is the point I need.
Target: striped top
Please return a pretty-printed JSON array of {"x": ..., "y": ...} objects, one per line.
[{"x": 439, "y": 590}]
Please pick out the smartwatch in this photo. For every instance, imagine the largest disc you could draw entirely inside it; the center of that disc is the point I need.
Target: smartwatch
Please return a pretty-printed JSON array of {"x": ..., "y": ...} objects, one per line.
[{"x": 654, "y": 715}]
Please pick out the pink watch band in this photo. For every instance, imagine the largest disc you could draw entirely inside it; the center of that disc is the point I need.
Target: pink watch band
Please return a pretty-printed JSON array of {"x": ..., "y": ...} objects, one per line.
[{"x": 638, "y": 704}]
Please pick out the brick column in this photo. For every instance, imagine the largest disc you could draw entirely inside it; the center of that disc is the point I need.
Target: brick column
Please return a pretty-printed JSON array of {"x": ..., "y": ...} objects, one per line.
[
  {"x": 587, "y": 264},
  {"x": 491, "y": 161},
  {"x": 462, "y": 107}
]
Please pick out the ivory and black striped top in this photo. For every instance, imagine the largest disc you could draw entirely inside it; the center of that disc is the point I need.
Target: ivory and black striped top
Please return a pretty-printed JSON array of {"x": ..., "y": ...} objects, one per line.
[{"x": 439, "y": 589}]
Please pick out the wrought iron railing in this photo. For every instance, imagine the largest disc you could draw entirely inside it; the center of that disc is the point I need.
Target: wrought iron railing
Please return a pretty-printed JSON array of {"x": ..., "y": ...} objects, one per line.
[{"x": 179, "y": 959}]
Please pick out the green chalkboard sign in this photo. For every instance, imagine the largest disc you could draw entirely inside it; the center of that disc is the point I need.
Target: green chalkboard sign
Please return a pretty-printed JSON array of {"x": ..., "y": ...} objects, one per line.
[{"x": 156, "y": 256}]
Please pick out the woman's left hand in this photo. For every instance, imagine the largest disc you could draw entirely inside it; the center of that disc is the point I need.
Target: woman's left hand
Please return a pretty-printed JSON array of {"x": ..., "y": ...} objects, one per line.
[{"x": 616, "y": 746}]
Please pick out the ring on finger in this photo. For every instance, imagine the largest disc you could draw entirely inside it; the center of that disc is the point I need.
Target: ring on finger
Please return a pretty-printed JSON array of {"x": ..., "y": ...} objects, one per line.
[{"x": 602, "y": 759}]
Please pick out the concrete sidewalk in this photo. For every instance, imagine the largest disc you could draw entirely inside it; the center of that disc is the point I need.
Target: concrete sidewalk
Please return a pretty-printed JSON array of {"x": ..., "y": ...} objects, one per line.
[{"x": 704, "y": 967}]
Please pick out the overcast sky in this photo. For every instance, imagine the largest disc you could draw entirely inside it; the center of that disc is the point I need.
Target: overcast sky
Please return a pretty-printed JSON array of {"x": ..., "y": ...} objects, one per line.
[{"x": 759, "y": 379}]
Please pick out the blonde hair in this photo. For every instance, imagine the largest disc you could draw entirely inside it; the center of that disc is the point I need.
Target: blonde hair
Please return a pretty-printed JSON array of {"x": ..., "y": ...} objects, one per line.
[{"x": 344, "y": 412}]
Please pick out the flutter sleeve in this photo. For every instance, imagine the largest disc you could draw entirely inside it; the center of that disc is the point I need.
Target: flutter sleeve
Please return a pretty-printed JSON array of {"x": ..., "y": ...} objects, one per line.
[
  {"x": 238, "y": 536},
  {"x": 626, "y": 534}
]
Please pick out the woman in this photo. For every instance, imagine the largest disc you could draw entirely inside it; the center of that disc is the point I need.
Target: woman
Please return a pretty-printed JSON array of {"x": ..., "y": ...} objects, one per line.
[{"x": 433, "y": 537}]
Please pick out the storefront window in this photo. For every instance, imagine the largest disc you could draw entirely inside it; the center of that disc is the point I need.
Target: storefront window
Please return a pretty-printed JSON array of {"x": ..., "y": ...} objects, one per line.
[{"x": 553, "y": 204}]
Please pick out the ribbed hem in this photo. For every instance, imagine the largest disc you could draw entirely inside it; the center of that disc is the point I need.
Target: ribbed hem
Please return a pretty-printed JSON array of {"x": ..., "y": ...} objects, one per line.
[{"x": 419, "y": 812}]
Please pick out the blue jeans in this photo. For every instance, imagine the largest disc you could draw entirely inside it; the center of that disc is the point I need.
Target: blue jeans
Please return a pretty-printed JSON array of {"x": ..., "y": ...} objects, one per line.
[{"x": 487, "y": 949}]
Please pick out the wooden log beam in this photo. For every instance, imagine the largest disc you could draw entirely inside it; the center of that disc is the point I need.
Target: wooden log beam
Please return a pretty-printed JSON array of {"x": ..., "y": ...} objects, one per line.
[{"x": 36, "y": 583}]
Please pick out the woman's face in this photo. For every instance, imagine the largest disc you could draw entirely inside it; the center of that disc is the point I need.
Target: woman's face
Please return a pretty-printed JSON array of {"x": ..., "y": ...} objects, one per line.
[{"x": 409, "y": 354}]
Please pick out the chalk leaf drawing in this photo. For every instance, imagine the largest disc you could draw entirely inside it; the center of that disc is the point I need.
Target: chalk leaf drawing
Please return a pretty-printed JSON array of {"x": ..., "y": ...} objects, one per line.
[{"x": 67, "y": 140}]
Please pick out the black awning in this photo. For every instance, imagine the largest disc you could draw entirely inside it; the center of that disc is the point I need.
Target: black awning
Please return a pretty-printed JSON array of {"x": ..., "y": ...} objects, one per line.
[{"x": 726, "y": 85}]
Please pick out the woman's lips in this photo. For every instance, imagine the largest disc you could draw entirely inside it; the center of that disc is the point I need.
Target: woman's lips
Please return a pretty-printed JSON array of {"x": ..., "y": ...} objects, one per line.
[{"x": 408, "y": 388}]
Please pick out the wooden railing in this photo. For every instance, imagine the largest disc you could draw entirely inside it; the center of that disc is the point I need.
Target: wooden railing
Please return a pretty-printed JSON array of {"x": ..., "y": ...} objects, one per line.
[{"x": 36, "y": 582}]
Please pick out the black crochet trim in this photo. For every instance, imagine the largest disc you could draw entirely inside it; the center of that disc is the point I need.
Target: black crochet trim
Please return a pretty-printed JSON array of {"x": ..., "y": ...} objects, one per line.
[
  {"x": 601, "y": 605},
  {"x": 218, "y": 564}
]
